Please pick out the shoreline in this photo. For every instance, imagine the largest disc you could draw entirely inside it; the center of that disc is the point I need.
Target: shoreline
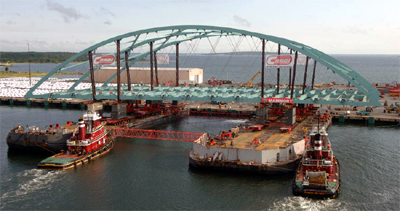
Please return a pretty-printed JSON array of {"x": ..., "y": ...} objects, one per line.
[
  {"x": 25, "y": 63},
  {"x": 19, "y": 63},
  {"x": 4, "y": 74}
]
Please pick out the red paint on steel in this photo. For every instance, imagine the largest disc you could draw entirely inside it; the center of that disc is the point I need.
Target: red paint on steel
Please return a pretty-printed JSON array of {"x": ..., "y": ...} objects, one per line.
[
  {"x": 90, "y": 55},
  {"x": 313, "y": 75},
  {"x": 118, "y": 71},
  {"x": 218, "y": 114},
  {"x": 128, "y": 75},
  {"x": 151, "y": 66},
  {"x": 155, "y": 67},
  {"x": 177, "y": 64},
  {"x": 262, "y": 68},
  {"x": 164, "y": 135},
  {"x": 278, "y": 71},
  {"x": 294, "y": 74}
]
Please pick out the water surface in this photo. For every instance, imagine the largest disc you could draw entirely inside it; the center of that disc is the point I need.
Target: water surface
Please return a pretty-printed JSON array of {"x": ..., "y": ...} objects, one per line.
[{"x": 151, "y": 174}]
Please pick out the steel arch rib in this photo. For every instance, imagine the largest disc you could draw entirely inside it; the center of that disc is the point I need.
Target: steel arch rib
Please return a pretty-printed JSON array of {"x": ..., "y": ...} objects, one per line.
[
  {"x": 143, "y": 55},
  {"x": 135, "y": 57},
  {"x": 336, "y": 66}
]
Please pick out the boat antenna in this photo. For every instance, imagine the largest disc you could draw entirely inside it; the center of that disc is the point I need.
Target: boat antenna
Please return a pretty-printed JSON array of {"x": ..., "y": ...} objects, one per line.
[{"x": 318, "y": 121}]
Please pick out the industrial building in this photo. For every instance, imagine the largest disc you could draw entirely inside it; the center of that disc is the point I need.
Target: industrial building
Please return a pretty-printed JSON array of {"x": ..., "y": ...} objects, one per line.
[{"x": 141, "y": 75}]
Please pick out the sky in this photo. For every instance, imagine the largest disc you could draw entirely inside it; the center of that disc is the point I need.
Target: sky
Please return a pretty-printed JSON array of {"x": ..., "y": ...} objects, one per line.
[{"x": 334, "y": 27}]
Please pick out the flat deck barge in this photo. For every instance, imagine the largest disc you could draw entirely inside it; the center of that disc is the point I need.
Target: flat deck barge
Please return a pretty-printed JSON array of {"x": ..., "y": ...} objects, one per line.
[{"x": 274, "y": 149}]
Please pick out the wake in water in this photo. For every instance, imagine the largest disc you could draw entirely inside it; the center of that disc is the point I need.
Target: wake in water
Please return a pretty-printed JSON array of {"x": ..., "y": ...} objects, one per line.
[
  {"x": 301, "y": 203},
  {"x": 238, "y": 121},
  {"x": 30, "y": 182}
]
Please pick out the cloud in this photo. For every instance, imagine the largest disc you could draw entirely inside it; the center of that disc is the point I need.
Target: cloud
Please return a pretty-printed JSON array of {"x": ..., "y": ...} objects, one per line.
[
  {"x": 107, "y": 22},
  {"x": 241, "y": 21},
  {"x": 10, "y": 22},
  {"x": 105, "y": 11},
  {"x": 355, "y": 30},
  {"x": 4, "y": 41},
  {"x": 68, "y": 13},
  {"x": 81, "y": 43},
  {"x": 21, "y": 45},
  {"x": 43, "y": 45}
]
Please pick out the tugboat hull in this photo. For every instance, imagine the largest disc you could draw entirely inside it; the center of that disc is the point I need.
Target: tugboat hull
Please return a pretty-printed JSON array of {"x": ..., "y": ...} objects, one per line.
[
  {"x": 333, "y": 192},
  {"x": 63, "y": 161}
]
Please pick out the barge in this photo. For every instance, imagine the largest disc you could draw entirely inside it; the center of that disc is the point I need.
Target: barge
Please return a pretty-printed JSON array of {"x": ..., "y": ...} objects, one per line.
[
  {"x": 48, "y": 140},
  {"x": 318, "y": 174},
  {"x": 89, "y": 141},
  {"x": 269, "y": 150}
]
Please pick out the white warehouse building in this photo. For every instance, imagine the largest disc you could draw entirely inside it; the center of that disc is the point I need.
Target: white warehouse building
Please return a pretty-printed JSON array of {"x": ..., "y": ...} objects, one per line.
[{"x": 141, "y": 75}]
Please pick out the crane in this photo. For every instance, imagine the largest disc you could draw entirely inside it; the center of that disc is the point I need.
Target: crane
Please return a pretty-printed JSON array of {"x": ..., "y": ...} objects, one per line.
[{"x": 249, "y": 83}]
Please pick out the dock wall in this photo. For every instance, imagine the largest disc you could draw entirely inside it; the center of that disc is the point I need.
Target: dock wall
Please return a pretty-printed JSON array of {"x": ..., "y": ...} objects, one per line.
[
  {"x": 366, "y": 120},
  {"x": 214, "y": 112},
  {"x": 44, "y": 103}
]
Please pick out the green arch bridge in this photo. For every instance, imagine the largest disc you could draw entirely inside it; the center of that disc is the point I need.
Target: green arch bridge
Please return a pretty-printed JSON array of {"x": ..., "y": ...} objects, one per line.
[{"x": 363, "y": 92}]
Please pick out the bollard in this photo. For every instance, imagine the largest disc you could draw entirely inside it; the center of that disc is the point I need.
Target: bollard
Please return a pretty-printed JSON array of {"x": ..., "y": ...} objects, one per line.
[
  {"x": 28, "y": 103},
  {"x": 341, "y": 119},
  {"x": 11, "y": 102},
  {"x": 64, "y": 105},
  {"x": 371, "y": 121},
  {"x": 46, "y": 104}
]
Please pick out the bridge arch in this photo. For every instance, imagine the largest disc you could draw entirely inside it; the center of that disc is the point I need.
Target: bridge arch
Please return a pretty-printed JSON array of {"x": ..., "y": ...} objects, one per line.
[{"x": 191, "y": 32}]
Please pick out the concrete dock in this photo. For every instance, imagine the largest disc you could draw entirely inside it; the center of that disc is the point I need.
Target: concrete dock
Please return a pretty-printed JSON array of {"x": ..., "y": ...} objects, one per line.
[
  {"x": 237, "y": 110},
  {"x": 44, "y": 103}
]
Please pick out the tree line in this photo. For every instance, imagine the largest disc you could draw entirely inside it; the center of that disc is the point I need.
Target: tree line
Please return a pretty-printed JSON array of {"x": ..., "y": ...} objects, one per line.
[{"x": 38, "y": 57}]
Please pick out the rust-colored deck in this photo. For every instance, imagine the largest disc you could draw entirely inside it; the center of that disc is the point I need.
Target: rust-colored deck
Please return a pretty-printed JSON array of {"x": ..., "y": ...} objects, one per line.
[{"x": 270, "y": 138}]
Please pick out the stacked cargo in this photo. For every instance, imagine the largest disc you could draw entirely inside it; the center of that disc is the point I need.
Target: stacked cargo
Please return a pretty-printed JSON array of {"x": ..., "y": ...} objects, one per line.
[
  {"x": 290, "y": 114},
  {"x": 118, "y": 111},
  {"x": 262, "y": 115}
]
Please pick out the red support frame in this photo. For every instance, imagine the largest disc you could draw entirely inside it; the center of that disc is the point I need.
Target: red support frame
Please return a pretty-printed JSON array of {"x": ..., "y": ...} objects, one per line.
[
  {"x": 164, "y": 135},
  {"x": 220, "y": 114}
]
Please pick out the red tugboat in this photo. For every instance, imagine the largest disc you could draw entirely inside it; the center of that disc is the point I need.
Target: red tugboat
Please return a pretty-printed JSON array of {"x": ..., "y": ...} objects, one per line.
[
  {"x": 318, "y": 174},
  {"x": 91, "y": 141}
]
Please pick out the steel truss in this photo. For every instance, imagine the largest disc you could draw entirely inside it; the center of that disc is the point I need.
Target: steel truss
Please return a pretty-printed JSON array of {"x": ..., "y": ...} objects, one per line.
[{"x": 163, "y": 135}]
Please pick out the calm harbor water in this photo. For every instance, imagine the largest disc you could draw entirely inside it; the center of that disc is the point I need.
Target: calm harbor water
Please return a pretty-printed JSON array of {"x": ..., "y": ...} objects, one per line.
[{"x": 150, "y": 174}]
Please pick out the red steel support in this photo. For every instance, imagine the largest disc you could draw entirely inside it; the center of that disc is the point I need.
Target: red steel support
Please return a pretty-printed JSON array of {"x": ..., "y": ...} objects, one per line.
[
  {"x": 305, "y": 74},
  {"x": 177, "y": 64},
  {"x": 151, "y": 66},
  {"x": 294, "y": 75},
  {"x": 155, "y": 67},
  {"x": 128, "y": 75},
  {"x": 118, "y": 71},
  {"x": 90, "y": 55},
  {"x": 217, "y": 114},
  {"x": 156, "y": 134},
  {"x": 313, "y": 74},
  {"x": 290, "y": 73},
  {"x": 279, "y": 71},
  {"x": 262, "y": 68}
]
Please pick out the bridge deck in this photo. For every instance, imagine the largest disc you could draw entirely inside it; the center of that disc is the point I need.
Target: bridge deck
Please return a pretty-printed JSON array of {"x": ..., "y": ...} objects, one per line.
[{"x": 224, "y": 94}]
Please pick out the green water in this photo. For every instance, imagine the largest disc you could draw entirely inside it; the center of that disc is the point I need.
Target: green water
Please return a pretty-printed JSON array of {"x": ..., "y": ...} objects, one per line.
[{"x": 150, "y": 174}]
